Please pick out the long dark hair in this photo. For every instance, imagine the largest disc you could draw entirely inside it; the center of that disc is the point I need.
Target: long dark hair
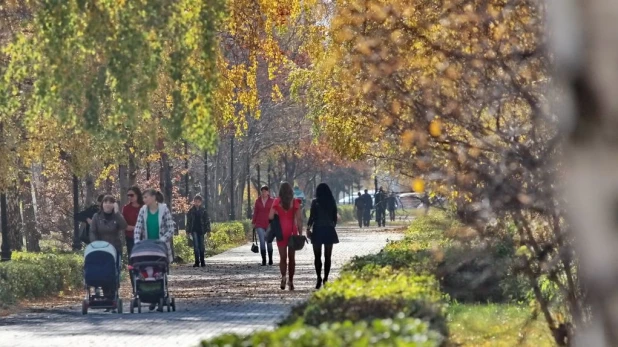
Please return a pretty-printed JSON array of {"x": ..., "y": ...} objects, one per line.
[
  {"x": 324, "y": 197},
  {"x": 138, "y": 194},
  {"x": 157, "y": 194},
  {"x": 286, "y": 194}
]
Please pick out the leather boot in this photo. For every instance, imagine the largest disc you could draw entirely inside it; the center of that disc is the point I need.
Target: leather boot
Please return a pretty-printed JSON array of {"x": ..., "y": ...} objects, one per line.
[
  {"x": 263, "y": 257},
  {"x": 270, "y": 257},
  {"x": 202, "y": 262}
]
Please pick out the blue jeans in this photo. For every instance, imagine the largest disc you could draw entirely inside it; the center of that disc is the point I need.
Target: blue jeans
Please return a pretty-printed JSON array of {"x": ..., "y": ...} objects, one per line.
[
  {"x": 262, "y": 236},
  {"x": 199, "y": 247}
]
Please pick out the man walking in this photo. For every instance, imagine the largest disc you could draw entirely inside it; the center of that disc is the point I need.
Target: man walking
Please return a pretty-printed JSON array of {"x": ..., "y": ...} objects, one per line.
[
  {"x": 392, "y": 206},
  {"x": 198, "y": 224},
  {"x": 359, "y": 209},
  {"x": 367, "y": 206},
  {"x": 380, "y": 200}
]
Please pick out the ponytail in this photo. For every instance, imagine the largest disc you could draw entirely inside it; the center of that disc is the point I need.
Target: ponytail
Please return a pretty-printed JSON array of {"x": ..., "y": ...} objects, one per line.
[{"x": 159, "y": 196}]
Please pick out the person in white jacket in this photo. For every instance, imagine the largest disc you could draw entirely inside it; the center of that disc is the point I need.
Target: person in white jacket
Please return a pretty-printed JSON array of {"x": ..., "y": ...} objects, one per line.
[{"x": 155, "y": 222}]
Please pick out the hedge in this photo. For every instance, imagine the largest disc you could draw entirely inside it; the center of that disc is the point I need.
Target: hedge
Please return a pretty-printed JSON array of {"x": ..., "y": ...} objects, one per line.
[
  {"x": 31, "y": 275},
  {"x": 223, "y": 236},
  {"x": 468, "y": 270},
  {"x": 389, "y": 332},
  {"x": 346, "y": 212},
  {"x": 383, "y": 295}
]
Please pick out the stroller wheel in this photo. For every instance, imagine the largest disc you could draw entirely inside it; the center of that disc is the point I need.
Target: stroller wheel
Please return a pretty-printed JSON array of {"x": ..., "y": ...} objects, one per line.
[
  {"x": 119, "y": 303},
  {"x": 139, "y": 305},
  {"x": 85, "y": 307},
  {"x": 174, "y": 304}
]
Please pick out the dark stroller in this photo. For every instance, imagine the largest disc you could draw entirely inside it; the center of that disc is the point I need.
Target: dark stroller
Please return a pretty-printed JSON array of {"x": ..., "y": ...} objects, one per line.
[
  {"x": 149, "y": 269},
  {"x": 101, "y": 271}
]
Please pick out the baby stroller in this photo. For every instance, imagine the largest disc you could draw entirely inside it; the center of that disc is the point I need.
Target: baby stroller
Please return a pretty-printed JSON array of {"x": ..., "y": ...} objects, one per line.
[
  {"x": 101, "y": 270},
  {"x": 149, "y": 268}
]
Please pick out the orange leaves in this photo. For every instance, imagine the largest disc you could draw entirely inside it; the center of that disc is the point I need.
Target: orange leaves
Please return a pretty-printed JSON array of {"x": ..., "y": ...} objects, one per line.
[
  {"x": 435, "y": 128},
  {"x": 418, "y": 185}
]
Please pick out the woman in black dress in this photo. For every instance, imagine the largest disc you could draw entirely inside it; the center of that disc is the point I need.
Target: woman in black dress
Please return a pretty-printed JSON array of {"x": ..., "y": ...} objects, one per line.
[{"x": 323, "y": 219}]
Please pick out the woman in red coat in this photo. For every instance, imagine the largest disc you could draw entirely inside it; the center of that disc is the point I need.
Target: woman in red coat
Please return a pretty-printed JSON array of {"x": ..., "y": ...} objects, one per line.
[{"x": 288, "y": 210}]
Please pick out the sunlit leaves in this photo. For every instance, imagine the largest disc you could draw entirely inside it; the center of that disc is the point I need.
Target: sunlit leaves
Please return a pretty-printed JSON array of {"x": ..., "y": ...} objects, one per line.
[{"x": 96, "y": 65}]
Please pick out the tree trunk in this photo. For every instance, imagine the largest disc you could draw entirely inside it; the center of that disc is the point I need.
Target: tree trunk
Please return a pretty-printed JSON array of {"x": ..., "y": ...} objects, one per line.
[
  {"x": 90, "y": 198},
  {"x": 165, "y": 175},
  {"x": 28, "y": 199},
  {"x": 206, "y": 197},
  {"x": 4, "y": 225},
  {"x": 123, "y": 181},
  {"x": 133, "y": 168},
  {"x": 16, "y": 235},
  {"x": 585, "y": 43}
]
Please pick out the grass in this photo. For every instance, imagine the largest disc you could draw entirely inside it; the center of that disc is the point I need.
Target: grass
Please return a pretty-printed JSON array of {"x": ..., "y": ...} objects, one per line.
[{"x": 496, "y": 325}]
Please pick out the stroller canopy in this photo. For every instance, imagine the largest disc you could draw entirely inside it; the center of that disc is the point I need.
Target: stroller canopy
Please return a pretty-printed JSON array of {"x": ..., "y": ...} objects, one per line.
[
  {"x": 100, "y": 246},
  {"x": 149, "y": 248}
]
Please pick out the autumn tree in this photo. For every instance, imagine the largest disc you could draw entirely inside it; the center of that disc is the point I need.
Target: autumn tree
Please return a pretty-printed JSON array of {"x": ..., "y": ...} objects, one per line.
[{"x": 454, "y": 95}]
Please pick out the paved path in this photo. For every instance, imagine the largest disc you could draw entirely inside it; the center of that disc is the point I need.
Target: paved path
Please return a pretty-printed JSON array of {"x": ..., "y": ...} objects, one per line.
[{"x": 232, "y": 294}]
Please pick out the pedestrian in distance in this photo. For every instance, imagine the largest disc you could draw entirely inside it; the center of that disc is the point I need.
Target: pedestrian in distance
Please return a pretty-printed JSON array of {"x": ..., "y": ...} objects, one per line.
[
  {"x": 288, "y": 210},
  {"x": 198, "y": 224},
  {"x": 108, "y": 225},
  {"x": 130, "y": 211},
  {"x": 359, "y": 208},
  {"x": 155, "y": 222},
  {"x": 392, "y": 205},
  {"x": 321, "y": 230},
  {"x": 261, "y": 210},
  {"x": 380, "y": 201},
  {"x": 367, "y": 206}
]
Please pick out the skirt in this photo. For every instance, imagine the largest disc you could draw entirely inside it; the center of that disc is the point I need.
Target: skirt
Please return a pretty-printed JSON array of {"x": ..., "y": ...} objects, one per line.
[{"x": 324, "y": 235}]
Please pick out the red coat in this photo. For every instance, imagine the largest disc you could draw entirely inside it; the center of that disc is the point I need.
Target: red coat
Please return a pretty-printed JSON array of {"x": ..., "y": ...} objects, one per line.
[
  {"x": 130, "y": 215},
  {"x": 261, "y": 211}
]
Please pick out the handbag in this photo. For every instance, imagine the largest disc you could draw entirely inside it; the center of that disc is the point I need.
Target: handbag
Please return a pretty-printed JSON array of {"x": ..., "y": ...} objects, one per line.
[
  {"x": 297, "y": 242},
  {"x": 254, "y": 246}
]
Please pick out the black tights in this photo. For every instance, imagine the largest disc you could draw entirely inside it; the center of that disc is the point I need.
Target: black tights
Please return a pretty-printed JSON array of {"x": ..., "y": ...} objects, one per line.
[{"x": 317, "y": 252}]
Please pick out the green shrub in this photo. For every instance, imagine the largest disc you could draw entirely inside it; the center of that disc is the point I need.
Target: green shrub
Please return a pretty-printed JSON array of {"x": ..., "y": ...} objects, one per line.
[
  {"x": 223, "y": 236},
  {"x": 382, "y": 296},
  {"x": 468, "y": 270},
  {"x": 346, "y": 212},
  {"x": 33, "y": 275},
  {"x": 398, "y": 332},
  {"x": 183, "y": 248}
]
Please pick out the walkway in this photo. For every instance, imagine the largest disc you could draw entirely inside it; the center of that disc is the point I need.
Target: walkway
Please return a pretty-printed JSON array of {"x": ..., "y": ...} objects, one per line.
[{"x": 233, "y": 294}]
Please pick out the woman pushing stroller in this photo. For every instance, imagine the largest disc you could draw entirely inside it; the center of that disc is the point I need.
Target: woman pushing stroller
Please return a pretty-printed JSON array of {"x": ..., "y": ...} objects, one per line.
[
  {"x": 108, "y": 225},
  {"x": 154, "y": 222}
]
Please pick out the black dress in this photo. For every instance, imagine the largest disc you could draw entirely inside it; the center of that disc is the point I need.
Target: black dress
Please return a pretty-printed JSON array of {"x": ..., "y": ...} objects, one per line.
[{"x": 323, "y": 222}]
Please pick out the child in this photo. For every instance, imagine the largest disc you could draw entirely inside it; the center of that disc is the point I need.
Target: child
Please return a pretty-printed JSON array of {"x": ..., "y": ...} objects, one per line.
[{"x": 198, "y": 224}]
